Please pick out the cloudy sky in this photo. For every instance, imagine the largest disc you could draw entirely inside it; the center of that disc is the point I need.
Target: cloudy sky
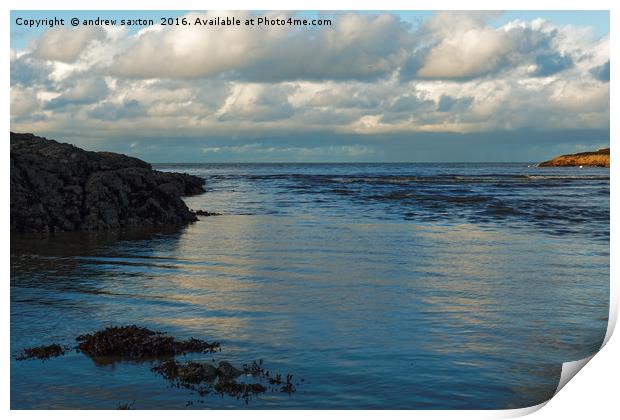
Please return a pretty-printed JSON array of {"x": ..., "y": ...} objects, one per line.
[{"x": 373, "y": 86}]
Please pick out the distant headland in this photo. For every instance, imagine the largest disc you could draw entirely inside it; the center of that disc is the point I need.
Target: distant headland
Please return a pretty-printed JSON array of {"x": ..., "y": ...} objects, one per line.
[
  {"x": 58, "y": 187},
  {"x": 599, "y": 158}
]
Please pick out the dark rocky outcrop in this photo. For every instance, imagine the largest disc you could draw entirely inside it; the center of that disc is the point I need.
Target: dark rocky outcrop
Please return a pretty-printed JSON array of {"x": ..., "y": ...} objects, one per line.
[
  {"x": 59, "y": 187},
  {"x": 599, "y": 158}
]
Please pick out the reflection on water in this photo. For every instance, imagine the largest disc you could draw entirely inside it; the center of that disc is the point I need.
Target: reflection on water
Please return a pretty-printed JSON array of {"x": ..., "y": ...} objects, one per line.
[{"x": 403, "y": 303}]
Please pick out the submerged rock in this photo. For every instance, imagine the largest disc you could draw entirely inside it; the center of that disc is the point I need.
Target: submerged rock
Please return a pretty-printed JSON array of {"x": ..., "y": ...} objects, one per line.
[
  {"x": 206, "y": 213},
  {"x": 197, "y": 372},
  {"x": 194, "y": 372},
  {"x": 59, "y": 187},
  {"x": 599, "y": 158},
  {"x": 200, "y": 378},
  {"x": 187, "y": 373},
  {"x": 226, "y": 371}
]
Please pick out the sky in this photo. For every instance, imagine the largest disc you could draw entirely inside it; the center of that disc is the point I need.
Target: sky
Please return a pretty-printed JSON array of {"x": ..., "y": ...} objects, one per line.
[{"x": 372, "y": 86}]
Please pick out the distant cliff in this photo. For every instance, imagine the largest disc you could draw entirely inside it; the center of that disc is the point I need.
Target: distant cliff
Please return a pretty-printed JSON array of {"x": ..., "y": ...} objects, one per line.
[
  {"x": 59, "y": 187},
  {"x": 598, "y": 158}
]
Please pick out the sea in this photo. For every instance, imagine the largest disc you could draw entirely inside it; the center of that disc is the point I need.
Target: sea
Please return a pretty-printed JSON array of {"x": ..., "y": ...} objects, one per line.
[{"x": 377, "y": 286}]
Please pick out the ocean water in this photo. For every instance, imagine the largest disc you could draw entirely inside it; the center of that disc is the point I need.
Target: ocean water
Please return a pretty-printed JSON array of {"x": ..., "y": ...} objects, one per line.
[{"x": 412, "y": 286}]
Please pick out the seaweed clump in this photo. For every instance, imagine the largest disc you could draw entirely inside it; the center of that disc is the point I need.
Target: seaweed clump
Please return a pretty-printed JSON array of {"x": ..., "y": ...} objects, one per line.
[
  {"x": 286, "y": 384},
  {"x": 138, "y": 343},
  {"x": 133, "y": 342},
  {"x": 200, "y": 378},
  {"x": 126, "y": 406},
  {"x": 41, "y": 352},
  {"x": 256, "y": 369},
  {"x": 239, "y": 389}
]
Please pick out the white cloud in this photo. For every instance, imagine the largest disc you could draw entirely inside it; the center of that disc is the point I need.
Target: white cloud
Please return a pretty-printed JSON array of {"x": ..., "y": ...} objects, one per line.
[
  {"x": 66, "y": 45},
  {"x": 23, "y": 101},
  {"x": 463, "y": 45},
  {"x": 367, "y": 73},
  {"x": 270, "y": 53}
]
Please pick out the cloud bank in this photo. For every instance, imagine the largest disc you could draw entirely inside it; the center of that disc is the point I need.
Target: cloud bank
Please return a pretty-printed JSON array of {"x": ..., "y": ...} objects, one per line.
[{"x": 367, "y": 75}]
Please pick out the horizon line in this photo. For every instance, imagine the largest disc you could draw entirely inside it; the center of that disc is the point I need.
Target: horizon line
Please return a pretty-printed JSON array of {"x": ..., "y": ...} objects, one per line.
[{"x": 337, "y": 163}]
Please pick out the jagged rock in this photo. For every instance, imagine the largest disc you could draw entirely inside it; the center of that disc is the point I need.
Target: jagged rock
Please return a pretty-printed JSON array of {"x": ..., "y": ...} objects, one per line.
[
  {"x": 59, "y": 187},
  {"x": 226, "y": 371},
  {"x": 186, "y": 373},
  {"x": 598, "y": 158}
]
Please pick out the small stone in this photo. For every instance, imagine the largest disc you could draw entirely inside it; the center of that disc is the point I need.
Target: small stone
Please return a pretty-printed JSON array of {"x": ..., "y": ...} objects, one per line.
[
  {"x": 206, "y": 213},
  {"x": 227, "y": 371}
]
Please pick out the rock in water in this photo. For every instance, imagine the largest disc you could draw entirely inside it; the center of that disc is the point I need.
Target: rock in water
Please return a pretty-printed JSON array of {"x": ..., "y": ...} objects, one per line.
[
  {"x": 227, "y": 372},
  {"x": 186, "y": 373},
  {"x": 59, "y": 187},
  {"x": 599, "y": 158}
]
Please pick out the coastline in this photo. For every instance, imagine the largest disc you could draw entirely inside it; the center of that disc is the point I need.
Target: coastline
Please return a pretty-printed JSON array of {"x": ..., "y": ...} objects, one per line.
[{"x": 599, "y": 158}]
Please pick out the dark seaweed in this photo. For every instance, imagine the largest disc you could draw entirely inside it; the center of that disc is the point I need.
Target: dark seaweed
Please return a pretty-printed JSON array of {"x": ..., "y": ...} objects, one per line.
[
  {"x": 134, "y": 342},
  {"x": 41, "y": 352}
]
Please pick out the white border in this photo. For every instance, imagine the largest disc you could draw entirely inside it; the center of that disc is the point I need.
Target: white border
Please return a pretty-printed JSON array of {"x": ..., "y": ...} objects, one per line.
[{"x": 592, "y": 394}]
